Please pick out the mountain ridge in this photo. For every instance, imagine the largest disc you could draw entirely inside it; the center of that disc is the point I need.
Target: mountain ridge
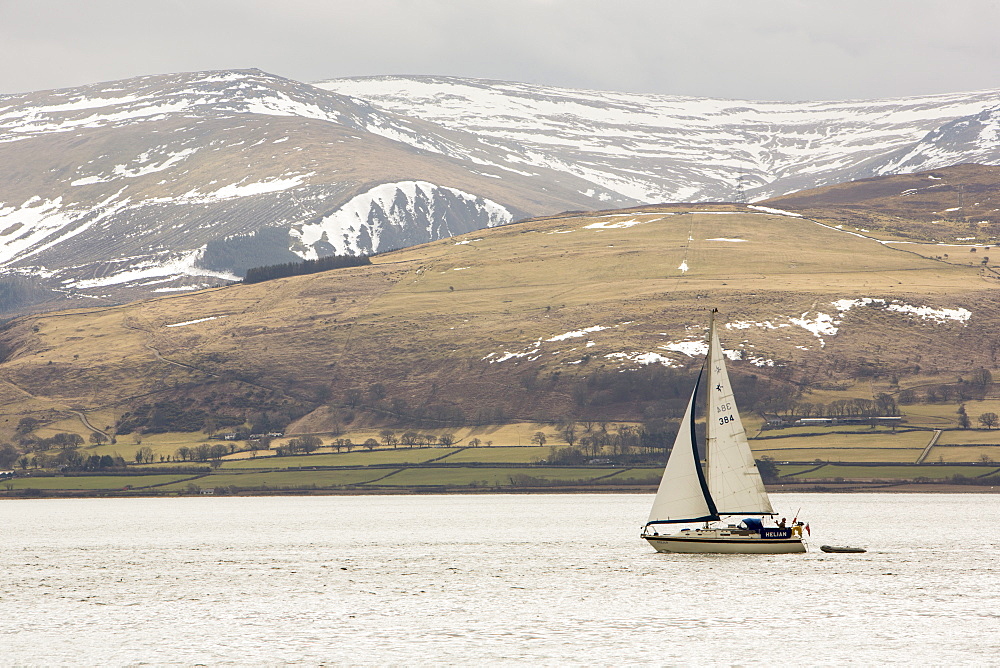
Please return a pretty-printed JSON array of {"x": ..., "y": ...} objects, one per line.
[{"x": 126, "y": 189}]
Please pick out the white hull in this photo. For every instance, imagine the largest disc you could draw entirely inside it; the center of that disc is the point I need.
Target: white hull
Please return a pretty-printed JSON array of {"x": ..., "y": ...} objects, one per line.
[{"x": 724, "y": 542}]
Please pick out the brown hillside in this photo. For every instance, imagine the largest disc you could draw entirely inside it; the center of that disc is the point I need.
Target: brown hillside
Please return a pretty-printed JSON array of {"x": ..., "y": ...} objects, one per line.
[
  {"x": 961, "y": 202},
  {"x": 534, "y": 320}
]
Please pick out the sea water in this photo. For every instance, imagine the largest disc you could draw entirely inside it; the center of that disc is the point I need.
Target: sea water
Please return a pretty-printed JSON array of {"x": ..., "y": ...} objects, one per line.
[{"x": 489, "y": 579}]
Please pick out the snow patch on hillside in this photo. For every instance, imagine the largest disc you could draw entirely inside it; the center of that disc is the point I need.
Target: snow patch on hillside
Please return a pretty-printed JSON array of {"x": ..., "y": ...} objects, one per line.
[
  {"x": 141, "y": 168},
  {"x": 241, "y": 189},
  {"x": 195, "y": 322},
  {"x": 821, "y": 324},
  {"x": 576, "y": 334},
  {"x": 643, "y": 359},
  {"x": 776, "y": 212},
  {"x": 696, "y": 348},
  {"x": 938, "y": 315},
  {"x": 183, "y": 264}
]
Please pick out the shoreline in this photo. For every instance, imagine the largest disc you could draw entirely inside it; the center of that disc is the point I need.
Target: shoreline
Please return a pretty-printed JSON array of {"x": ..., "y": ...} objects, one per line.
[{"x": 815, "y": 488}]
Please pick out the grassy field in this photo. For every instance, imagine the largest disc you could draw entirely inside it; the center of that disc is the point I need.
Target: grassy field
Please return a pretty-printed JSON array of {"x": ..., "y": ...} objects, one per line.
[
  {"x": 958, "y": 453},
  {"x": 793, "y": 469},
  {"x": 819, "y": 440},
  {"x": 945, "y": 415},
  {"x": 844, "y": 455},
  {"x": 896, "y": 472},
  {"x": 282, "y": 479},
  {"x": 486, "y": 477},
  {"x": 89, "y": 482},
  {"x": 498, "y": 455},
  {"x": 643, "y": 476},
  {"x": 375, "y": 457},
  {"x": 970, "y": 437}
]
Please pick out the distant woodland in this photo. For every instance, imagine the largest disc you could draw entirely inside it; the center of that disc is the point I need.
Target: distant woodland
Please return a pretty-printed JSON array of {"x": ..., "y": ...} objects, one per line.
[{"x": 271, "y": 272}]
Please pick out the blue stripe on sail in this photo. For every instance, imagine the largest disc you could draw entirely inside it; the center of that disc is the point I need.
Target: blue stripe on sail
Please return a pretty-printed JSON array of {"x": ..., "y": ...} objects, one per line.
[{"x": 694, "y": 444}]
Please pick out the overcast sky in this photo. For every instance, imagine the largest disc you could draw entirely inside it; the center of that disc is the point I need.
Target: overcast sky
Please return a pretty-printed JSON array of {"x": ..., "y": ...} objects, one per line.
[{"x": 743, "y": 49}]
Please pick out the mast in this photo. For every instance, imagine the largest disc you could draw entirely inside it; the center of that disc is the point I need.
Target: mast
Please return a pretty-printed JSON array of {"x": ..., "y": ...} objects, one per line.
[{"x": 708, "y": 384}]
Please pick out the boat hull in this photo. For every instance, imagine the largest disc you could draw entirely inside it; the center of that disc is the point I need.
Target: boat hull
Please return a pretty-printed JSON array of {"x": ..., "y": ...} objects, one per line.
[{"x": 722, "y": 544}]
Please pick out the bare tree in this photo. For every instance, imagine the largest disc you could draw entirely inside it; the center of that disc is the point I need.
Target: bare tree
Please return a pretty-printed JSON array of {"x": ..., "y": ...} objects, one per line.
[
  {"x": 989, "y": 420},
  {"x": 569, "y": 432}
]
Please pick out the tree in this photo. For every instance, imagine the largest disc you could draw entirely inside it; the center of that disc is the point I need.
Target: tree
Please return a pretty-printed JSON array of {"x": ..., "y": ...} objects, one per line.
[
  {"x": 8, "y": 455},
  {"x": 389, "y": 439},
  {"x": 981, "y": 377},
  {"x": 963, "y": 417},
  {"x": 989, "y": 420},
  {"x": 310, "y": 443},
  {"x": 767, "y": 468},
  {"x": 475, "y": 443},
  {"x": 446, "y": 439},
  {"x": 97, "y": 438},
  {"x": 371, "y": 444},
  {"x": 409, "y": 439},
  {"x": 352, "y": 397},
  {"x": 569, "y": 432},
  {"x": 26, "y": 425},
  {"x": 538, "y": 437}
]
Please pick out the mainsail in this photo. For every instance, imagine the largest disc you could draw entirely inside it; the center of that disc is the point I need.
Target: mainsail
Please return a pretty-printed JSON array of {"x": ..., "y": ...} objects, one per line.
[{"x": 733, "y": 485}]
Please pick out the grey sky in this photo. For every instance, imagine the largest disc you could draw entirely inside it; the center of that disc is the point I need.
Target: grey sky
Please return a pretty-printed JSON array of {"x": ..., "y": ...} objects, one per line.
[{"x": 749, "y": 49}]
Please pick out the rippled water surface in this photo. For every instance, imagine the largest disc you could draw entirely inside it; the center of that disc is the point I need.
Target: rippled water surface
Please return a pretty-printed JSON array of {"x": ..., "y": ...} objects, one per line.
[{"x": 550, "y": 579}]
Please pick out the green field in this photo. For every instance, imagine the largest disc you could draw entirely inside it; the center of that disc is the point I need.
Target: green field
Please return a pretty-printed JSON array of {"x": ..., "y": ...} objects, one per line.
[
  {"x": 282, "y": 479},
  {"x": 486, "y": 477},
  {"x": 644, "y": 476},
  {"x": 903, "y": 456},
  {"x": 970, "y": 437},
  {"x": 498, "y": 455},
  {"x": 896, "y": 472},
  {"x": 958, "y": 453},
  {"x": 863, "y": 439},
  {"x": 793, "y": 469},
  {"x": 97, "y": 482},
  {"x": 375, "y": 457}
]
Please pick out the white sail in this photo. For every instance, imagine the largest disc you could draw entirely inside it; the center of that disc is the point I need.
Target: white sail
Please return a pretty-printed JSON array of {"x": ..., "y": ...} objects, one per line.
[
  {"x": 733, "y": 479},
  {"x": 682, "y": 495}
]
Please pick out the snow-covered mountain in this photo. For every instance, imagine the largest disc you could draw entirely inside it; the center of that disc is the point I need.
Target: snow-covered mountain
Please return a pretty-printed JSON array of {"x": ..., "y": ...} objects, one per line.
[
  {"x": 661, "y": 148},
  {"x": 173, "y": 182}
]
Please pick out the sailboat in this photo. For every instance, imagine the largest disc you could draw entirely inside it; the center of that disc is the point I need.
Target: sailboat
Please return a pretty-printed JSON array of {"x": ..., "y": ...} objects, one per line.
[{"x": 729, "y": 485}]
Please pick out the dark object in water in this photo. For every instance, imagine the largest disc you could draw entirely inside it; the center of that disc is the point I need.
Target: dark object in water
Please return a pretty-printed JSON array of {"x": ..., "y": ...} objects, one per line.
[{"x": 841, "y": 548}]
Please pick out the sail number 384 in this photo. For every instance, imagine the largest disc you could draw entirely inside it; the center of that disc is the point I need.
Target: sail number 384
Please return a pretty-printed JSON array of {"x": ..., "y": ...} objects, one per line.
[{"x": 725, "y": 419}]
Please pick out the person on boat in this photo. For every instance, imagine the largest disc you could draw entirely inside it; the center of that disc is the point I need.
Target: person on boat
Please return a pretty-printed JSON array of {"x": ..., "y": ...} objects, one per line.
[{"x": 781, "y": 524}]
